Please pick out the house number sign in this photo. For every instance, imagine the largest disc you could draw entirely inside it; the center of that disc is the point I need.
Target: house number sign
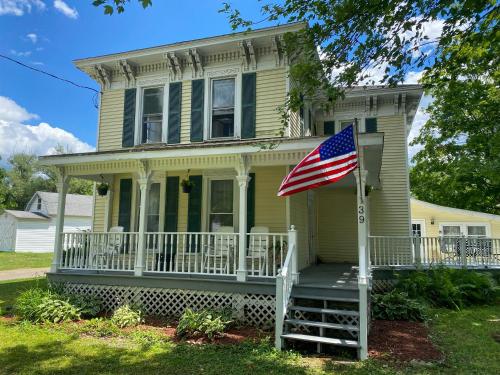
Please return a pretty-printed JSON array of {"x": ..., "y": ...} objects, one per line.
[{"x": 361, "y": 213}]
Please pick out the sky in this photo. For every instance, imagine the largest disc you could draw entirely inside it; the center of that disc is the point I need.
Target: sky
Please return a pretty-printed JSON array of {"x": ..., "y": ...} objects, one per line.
[{"x": 37, "y": 113}]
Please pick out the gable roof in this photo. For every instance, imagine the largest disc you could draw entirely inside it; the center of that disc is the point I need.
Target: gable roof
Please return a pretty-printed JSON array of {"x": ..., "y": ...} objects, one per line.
[
  {"x": 456, "y": 210},
  {"x": 25, "y": 215},
  {"x": 76, "y": 205}
]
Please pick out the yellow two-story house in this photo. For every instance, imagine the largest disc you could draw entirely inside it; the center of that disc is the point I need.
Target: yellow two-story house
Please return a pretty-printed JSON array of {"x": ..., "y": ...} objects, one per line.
[{"x": 192, "y": 146}]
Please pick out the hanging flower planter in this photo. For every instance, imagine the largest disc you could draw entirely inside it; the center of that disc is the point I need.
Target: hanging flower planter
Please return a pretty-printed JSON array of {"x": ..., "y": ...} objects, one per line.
[
  {"x": 186, "y": 186},
  {"x": 102, "y": 189}
]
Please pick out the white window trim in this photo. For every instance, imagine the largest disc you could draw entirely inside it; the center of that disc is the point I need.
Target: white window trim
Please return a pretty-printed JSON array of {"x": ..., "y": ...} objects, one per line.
[
  {"x": 463, "y": 226},
  {"x": 347, "y": 117},
  {"x": 208, "y": 106},
  {"x": 209, "y": 176},
  {"x": 422, "y": 226},
  {"x": 139, "y": 98}
]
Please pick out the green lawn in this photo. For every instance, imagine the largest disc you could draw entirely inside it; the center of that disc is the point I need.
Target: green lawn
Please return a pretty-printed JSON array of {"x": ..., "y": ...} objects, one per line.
[
  {"x": 10, "y": 289},
  {"x": 465, "y": 337},
  {"x": 11, "y": 261}
]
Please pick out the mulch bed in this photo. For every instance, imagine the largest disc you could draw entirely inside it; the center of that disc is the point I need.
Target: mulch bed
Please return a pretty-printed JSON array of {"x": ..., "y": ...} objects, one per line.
[{"x": 402, "y": 341}]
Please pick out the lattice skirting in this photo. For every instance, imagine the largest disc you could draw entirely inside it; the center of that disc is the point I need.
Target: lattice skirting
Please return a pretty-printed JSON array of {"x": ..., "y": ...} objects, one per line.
[
  {"x": 250, "y": 309},
  {"x": 383, "y": 285}
]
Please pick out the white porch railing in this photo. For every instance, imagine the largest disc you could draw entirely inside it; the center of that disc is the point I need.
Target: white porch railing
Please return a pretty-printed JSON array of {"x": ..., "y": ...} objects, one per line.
[
  {"x": 175, "y": 252},
  {"x": 284, "y": 285},
  {"x": 428, "y": 251},
  {"x": 266, "y": 253},
  {"x": 193, "y": 253},
  {"x": 99, "y": 251}
]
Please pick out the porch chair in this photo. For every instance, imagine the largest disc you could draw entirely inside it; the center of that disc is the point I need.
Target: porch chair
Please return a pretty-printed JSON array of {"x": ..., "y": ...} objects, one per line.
[
  {"x": 109, "y": 248},
  {"x": 218, "y": 255},
  {"x": 258, "y": 250}
]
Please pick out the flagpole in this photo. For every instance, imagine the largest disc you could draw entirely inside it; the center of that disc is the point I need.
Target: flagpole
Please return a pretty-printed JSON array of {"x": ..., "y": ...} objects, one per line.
[{"x": 356, "y": 132}]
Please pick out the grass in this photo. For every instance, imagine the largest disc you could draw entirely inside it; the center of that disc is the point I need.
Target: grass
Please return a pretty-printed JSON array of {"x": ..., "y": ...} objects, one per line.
[
  {"x": 465, "y": 337},
  {"x": 12, "y": 261}
]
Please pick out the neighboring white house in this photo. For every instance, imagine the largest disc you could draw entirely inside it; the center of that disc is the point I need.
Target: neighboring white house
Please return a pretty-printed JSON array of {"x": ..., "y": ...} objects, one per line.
[{"x": 33, "y": 229}]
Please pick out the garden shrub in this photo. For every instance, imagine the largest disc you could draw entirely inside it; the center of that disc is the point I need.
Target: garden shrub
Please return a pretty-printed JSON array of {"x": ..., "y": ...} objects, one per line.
[
  {"x": 397, "y": 305},
  {"x": 209, "y": 323},
  {"x": 450, "y": 288},
  {"x": 127, "y": 316},
  {"x": 56, "y": 310},
  {"x": 26, "y": 305},
  {"x": 89, "y": 306}
]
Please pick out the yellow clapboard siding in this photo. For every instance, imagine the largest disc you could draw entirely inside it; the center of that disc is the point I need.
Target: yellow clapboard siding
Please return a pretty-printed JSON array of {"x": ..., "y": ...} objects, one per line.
[
  {"x": 98, "y": 214},
  {"x": 337, "y": 227},
  {"x": 111, "y": 120},
  {"x": 270, "y": 94},
  {"x": 299, "y": 218},
  {"x": 421, "y": 211},
  {"x": 186, "y": 112},
  {"x": 270, "y": 210},
  {"x": 389, "y": 206}
]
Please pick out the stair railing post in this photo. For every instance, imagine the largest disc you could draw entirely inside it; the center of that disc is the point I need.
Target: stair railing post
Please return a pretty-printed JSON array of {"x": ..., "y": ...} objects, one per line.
[
  {"x": 279, "y": 312},
  {"x": 292, "y": 246}
]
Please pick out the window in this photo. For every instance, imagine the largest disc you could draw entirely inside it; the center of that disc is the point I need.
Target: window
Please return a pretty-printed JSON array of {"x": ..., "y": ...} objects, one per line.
[
  {"x": 451, "y": 230},
  {"x": 221, "y": 204},
  {"x": 476, "y": 231},
  {"x": 223, "y": 108},
  {"x": 416, "y": 229},
  {"x": 345, "y": 124},
  {"x": 152, "y": 115},
  {"x": 371, "y": 125},
  {"x": 153, "y": 215},
  {"x": 39, "y": 204},
  {"x": 329, "y": 127}
]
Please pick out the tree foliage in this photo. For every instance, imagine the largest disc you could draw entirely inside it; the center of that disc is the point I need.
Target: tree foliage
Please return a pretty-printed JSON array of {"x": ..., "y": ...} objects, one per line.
[
  {"x": 25, "y": 175},
  {"x": 110, "y": 6}
]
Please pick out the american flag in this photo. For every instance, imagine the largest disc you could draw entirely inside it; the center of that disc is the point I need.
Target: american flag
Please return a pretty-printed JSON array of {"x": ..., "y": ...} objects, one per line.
[{"x": 329, "y": 162}]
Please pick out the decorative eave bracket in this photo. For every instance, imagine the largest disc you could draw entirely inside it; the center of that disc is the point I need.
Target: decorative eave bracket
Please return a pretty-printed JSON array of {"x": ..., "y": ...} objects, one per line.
[
  {"x": 128, "y": 70},
  {"x": 277, "y": 48},
  {"x": 174, "y": 66},
  {"x": 102, "y": 75},
  {"x": 371, "y": 104},
  {"x": 195, "y": 61},
  {"x": 248, "y": 58}
]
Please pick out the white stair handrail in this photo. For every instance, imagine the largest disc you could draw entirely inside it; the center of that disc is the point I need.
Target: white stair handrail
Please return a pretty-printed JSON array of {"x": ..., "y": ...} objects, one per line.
[{"x": 284, "y": 284}]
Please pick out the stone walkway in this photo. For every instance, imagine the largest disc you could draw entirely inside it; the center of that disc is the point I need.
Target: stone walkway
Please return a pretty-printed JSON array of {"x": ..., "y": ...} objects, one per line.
[{"x": 23, "y": 273}]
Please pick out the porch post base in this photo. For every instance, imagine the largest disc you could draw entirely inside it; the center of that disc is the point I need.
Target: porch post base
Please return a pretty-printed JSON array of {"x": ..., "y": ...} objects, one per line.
[
  {"x": 54, "y": 267},
  {"x": 241, "y": 275},
  {"x": 138, "y": 270},
  {"x": 295, "y": 277}
]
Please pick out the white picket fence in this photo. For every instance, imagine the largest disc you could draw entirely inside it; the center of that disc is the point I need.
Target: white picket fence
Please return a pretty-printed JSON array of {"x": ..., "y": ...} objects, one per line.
[{"x": 427, "y": 251}]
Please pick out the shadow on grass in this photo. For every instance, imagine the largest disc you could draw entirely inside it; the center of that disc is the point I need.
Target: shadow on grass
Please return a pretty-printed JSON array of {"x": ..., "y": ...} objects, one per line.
[{"x": 74, "y": 356}]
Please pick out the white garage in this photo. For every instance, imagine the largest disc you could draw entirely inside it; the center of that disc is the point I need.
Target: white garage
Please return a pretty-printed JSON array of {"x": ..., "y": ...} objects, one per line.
[{"x": 33, "y": 230}]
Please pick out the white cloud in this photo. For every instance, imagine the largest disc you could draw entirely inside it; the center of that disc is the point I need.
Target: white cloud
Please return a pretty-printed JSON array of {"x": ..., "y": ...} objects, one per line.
[
  {"x": 413, "y": 77},
  {"x": 41, "y": 139},
  {"x": 65, "y": 9},
  {"x": 33, "y": 37},
  {"x": 19, "y": 7},
  {"x": 420, "y": 119},
  {"x": 20, "y": 53}
]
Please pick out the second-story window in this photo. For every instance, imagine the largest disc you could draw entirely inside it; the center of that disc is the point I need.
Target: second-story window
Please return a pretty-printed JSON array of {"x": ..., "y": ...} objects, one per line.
[
  {"x": 152, "y": 115},
  {"x": 223, "y": 108}
]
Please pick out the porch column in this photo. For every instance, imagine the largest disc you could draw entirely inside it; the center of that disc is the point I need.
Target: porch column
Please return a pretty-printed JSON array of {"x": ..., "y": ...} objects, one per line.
[
  {"x": 62, "y": 188},
  {"x": 109, "y": 208},
  {"x": 292, "y": 243},
  {"x": 241, "y": 273},
  {"x": 242, "y": 168},
  {"x": 144, "y": 182},
  {"x": 363, "y": 261}
]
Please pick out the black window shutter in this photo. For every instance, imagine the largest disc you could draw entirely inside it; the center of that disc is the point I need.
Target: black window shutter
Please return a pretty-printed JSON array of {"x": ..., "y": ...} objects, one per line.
[
  {"x": 251, "y": 203},
  {"x": 248, "y": 93},
  {"x": 371, "y": 125},
  {"x": 172, "y": 204},
  {"x": 194, "y": 209},
  {"x": 174, "y": 112},
  {"x": 329, "y": 127},
  {"x": 197, "y": 100},
  {"x": 128, "y": 118},
  {"x": 125, "y": 204}
]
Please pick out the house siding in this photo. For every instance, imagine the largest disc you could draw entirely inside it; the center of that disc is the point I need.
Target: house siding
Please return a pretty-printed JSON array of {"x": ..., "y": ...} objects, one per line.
[
  {"x": 111, "y": 120},
  {"x": 98, "y": 215},
  {"x": 389, "y": 206},
  {"x": 270, "y": 210},
  {"x": 270, "y": 94},
  {"x": 186, "y": 112},
  {"x": 337, "y": 230},
  {"x": 299, "y": 218}
]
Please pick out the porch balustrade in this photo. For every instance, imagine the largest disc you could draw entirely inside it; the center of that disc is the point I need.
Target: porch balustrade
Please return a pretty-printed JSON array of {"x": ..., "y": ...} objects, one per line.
[
  {"x": 203, "y": 253},
  {"x": 429, "y": 251}
]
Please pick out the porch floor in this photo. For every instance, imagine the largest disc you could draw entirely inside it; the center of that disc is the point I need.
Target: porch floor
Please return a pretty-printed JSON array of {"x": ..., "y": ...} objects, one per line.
[{"x": 329, "y": 275}]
